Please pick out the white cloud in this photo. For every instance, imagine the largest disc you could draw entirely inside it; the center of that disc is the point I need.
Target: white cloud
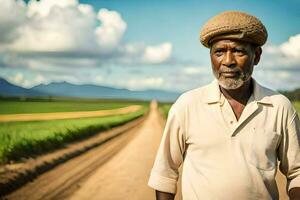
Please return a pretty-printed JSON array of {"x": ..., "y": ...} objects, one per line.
[
  {"x": 142, "y": 83},
  {"x": 99, "y": 79},
  {"x": 280, "y": 65},
  {"x": 111, "y": 31},
  {"x": 12, "y": 16},
  {"x": 291, "y": 47},
  {"x": 39, "y": 79},
  {"x": 26, "y": 84},
  {"x": 25, "y": 81},
  {"x": 158, "y": 54},
  {"x": 278, "y": 79},
  {"x": 43, "y": 8},
  {"x": 285, "y": 55},
  {"x": 191, "y": 70},
  {"x": 271, "y": 49},
  {"x": 56, "y": 26},
  {"x": 49, "y": 26},
  {"x": 18, "y": 78}
]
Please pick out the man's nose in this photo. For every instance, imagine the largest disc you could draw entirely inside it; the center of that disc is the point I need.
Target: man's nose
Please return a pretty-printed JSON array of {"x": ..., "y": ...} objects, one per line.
[{"x": 229, "y": 59}]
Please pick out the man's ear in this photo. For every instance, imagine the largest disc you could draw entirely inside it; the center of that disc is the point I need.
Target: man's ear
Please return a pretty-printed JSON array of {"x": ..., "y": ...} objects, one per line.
[{"x": 258, "y": 52}]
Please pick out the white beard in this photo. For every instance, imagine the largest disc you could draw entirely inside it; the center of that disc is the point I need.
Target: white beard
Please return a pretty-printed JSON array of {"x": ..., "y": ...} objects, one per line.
[{"x": 232, "y": 83}]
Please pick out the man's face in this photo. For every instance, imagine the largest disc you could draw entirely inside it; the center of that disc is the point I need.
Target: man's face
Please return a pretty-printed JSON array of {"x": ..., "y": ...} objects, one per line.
[{"x": 233, "y": 62}]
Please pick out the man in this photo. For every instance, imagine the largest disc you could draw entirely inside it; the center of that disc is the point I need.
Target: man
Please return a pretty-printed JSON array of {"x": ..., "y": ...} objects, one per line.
[{"x": 230, "y": 134}]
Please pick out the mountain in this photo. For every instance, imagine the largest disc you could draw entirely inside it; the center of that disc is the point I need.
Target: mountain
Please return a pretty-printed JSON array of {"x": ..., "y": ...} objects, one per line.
[
  {"x": 95, "y": 91},
  {"x": 9, "y": 89},
  {"x": 65, "y": 89}
]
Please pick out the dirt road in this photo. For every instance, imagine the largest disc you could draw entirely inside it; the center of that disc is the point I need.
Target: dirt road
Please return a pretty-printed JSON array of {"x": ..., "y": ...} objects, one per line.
[
  {"x": 67, "y": 115},
  {"x": 125, "y": 176},
  {"x": 99, "y": 173},
  {"x": 116, "y": 170}
]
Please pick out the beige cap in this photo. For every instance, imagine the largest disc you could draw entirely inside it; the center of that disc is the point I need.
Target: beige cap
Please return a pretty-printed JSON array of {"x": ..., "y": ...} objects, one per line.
[{"x": 234, "y": 25}]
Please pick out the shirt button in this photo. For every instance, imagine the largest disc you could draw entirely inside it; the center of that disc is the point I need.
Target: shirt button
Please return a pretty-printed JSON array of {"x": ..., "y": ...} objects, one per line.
[{"x": 231, "y": 122}]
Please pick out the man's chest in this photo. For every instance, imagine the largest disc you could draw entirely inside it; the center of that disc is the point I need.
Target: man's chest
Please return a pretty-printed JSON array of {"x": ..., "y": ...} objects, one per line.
[{"x": 212, "y": 137}]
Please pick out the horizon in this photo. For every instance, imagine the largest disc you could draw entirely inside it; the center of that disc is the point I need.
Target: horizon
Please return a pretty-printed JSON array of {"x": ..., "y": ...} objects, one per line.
[
  {"x": 90, "y": 84},
  {"x": 136, "y": 45},
  {"x": 112, "y": 87}
]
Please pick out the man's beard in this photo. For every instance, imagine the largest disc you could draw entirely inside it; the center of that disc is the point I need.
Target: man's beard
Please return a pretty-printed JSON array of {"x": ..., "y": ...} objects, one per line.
[{"x": 234, "y": 82}]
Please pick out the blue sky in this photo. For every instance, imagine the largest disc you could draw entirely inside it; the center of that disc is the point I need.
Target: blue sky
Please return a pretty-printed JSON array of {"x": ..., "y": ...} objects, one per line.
[
  {"x": 136, "y": 44},
  {"x": 180, "y": 21}
]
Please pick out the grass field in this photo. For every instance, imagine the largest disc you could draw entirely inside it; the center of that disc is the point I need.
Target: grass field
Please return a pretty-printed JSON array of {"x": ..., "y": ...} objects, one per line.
[
  {"x": 16, "y": 106},
  {"x": 23, "y": 139}
]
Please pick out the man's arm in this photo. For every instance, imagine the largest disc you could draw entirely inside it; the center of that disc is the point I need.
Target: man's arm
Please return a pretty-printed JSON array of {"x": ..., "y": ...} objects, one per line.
[
  {"x": 164, "y": 195},
  {"x": 164, "y": 174},
  {"x": 289, "y": 154},
  {"x": 294, "y": 193}
]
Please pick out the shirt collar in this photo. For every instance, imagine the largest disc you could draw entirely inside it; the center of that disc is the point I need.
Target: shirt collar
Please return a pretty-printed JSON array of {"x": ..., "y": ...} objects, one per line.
[
  {"x": 212, "y": 93},
  {"x": 260, "y": 94}
]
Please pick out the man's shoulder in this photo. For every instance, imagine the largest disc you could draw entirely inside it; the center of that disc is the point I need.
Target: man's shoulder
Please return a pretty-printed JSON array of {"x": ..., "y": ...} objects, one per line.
[
  {"x": 191, "y": 97},
  {"x": 277, "y": 99}
]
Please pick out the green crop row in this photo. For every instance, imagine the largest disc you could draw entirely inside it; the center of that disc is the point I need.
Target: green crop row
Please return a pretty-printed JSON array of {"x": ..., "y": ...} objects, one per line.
[
  {"x": 16, "y": 106},
  {"x": 24, "y": 139}
]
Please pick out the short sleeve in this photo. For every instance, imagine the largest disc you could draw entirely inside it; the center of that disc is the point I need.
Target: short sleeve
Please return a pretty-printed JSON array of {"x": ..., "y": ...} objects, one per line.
[
  {"x": 164, "y": 174},
  {"x": 289, "y": 152}
]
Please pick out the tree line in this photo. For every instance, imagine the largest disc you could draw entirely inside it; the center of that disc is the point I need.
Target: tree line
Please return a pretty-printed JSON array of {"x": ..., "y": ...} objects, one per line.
[{"x": 293, "y": 95}]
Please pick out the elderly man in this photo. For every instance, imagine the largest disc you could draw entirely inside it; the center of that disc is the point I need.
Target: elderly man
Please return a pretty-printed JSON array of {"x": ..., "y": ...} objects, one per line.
[{"x": 230, "y": 134}]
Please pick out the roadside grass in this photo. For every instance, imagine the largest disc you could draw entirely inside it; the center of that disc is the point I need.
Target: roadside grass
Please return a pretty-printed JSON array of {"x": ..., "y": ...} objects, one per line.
[
  {"x": 164, "y": 108},
  {"x": 25, "y": 139},
  {"x": 297, "y": 106},
  {"x": 19, "y": 106}
]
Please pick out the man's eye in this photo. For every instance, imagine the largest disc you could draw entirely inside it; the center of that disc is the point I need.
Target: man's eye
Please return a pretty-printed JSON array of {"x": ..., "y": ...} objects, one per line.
[
  {"x": 218, "y": 52},
  {"x": 239, "y": 51}
]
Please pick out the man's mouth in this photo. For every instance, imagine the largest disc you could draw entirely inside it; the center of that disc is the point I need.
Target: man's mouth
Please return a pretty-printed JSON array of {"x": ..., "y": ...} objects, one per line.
[{"x": 231, "y": 74}]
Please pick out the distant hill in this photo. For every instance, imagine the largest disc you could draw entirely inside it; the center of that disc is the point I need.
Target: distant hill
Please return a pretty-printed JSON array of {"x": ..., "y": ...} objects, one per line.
[
  {"x": 65, "y": 89},
  {"x": 9, "y": 89}
]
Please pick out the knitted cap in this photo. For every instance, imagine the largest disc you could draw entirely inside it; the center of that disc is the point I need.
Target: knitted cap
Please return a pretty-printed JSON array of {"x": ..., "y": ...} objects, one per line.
[{"x": 234, "y": 25}]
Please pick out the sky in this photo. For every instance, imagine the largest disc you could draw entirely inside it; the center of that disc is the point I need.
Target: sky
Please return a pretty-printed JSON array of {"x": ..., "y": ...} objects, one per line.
[{"x": 136, "y": 44}]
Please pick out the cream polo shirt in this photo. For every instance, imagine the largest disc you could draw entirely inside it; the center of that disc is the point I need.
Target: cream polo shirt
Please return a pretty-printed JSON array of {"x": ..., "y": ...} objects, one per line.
[{"x": 224, "y": 158}]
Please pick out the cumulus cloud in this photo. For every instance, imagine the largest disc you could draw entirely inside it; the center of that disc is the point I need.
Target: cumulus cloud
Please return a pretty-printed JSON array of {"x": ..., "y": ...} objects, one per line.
[
  {"x": 98, "y": 79},
  {"x": 28, "y": 83},
  {"x": 158, "y": 54},
  {"x": 291, "y": 48},
  {"x": 67, "y": 29},
  {"x": 278, "y": 79},
  {"x": 55, "y": 26},
  {"x": 18, "y": 78},
  {"x": 43, "y": 8},
  {"x": 12, "y": 16},
  {"x": 142, "y": 83},
  {"x": 196, "y": 70},
  {"x": 25, "y": 81},
  {"x": 285, "y": 55},
  {"x": 280, "y": 65},
  {"x": 110, "y": 33}
]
